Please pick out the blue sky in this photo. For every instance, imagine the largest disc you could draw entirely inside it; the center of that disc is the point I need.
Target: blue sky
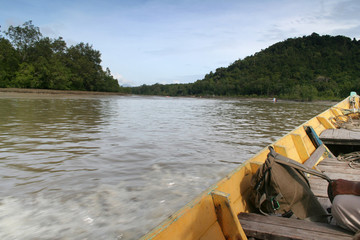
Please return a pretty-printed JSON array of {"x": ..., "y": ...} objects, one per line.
[{"x": 179, "y": 41}]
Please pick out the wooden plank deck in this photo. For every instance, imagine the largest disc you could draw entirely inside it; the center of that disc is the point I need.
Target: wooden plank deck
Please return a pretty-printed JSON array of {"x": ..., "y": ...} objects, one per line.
[
  {"x": 335, "y": 170},
  {"x": 340, "y": 137},
  {"x": 271, "y": 227}
]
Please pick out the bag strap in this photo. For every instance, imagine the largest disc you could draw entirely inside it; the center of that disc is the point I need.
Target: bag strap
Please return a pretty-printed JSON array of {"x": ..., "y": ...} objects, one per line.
[{"x": 291, "y": 163}]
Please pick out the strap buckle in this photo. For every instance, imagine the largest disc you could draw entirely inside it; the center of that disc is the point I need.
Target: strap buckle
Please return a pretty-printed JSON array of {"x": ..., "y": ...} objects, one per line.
[{"x": 274, "y": 203}]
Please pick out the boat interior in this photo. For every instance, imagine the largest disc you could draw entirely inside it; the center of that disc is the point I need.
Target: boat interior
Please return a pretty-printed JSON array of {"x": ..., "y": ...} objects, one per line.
[
  {"x": 339, "y": 140},
  {"x": 258, "y": 226}
]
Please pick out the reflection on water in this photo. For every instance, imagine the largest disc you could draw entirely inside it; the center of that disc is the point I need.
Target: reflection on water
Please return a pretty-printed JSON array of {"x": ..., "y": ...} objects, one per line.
[{"x": 114, "y": 167}]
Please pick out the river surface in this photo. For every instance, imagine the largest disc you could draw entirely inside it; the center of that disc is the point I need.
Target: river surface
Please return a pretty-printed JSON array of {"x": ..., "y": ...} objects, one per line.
[{"x": 114, "y": 167}]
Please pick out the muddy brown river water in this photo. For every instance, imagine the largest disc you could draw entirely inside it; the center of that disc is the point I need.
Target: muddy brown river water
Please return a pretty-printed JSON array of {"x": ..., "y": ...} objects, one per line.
[{"x": 113, "y": 167}]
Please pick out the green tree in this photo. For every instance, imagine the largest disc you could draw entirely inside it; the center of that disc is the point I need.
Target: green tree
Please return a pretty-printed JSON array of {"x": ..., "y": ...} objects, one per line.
[
  {"x": 84, "y": 63},
  {"x": 29, "y": 60},
  {"x": 25, "y": 77},
  {"x": 60, "y": 76},
  {"x": 308, "y": 93},
  {"x": 9, "y": 62},
  {"x": 24, "y": 37}
]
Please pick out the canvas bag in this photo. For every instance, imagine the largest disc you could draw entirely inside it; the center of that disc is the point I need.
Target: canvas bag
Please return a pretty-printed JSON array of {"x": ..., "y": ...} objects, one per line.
[{"x": 281, "y": 188}]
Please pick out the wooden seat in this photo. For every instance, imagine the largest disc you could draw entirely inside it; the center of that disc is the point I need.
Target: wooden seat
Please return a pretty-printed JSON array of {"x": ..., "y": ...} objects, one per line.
[
  {"x": 271, "y": 227},
  {"x": 340, "y": 137}
]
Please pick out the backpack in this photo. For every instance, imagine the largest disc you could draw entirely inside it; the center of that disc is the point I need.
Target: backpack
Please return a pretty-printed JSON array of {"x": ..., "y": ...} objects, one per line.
[{"x": 281, "y": 188}]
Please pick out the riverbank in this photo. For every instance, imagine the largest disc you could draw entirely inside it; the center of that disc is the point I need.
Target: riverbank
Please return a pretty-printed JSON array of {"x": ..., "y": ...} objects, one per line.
[
  {"x": 61, "y": 92},
  {"x": 43, "y": 92}
]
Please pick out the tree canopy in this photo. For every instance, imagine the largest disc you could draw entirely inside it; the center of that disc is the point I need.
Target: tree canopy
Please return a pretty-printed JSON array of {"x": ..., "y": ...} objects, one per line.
[
  {"x": 304, "y": 68},
  {"x": 29, "y": 60}
]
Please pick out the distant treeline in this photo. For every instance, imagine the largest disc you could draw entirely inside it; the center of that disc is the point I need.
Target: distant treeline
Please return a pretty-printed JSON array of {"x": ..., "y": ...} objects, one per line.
[
  {"x": 29, "y": 60},
  {"x": 305, "y": 68}
]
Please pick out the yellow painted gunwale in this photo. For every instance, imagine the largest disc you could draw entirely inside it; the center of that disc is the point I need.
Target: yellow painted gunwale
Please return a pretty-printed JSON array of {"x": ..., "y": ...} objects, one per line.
[{"x": 212, "y": 214}]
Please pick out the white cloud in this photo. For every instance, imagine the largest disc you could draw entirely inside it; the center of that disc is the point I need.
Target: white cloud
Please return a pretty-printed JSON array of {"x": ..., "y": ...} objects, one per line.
[
  {"x": 330, "y": 17},
  {"x": 122, "y": 80}
]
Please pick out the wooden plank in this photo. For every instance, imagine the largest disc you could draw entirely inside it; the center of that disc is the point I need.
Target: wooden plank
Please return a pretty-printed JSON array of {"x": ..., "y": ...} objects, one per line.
[
  {"x": 187, "y": 225},
  {"x": 335, "y": 170},
  {"x": 336, "y": 163},
  {"x": 340, "y": 137},
  {"x": 270, "y": 227},
  {"x": 226, "y": 217},
  {"x": 280, "y": 149},
  {"x": 319, "y": 187},
  {"x": 315, "y": 156},
  {"x": 337, "y": 112},
  {"x": 294, "y": 223},
  {"x": 258, "y": 230},
  {"x": 340, "y": 169},
  {"x": 300, "y": 146},
  {"x": 327, "y": 161},
  {"x": 214, "y": 233},
  {"x": 343, "y": 176},
  {"x": 326, "y": 123}
]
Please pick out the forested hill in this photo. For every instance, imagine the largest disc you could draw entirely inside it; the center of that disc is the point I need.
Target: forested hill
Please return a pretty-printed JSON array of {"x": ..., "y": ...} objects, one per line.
[
  {"x": 305, "y": 68},
  {"x": 29, "y": 60}
]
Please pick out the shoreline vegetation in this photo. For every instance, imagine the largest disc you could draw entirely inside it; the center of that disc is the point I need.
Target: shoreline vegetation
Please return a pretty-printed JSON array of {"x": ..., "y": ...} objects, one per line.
[
  {"x": 306, "y": 68},
  {"x": 14, "y": 92},
  {"x": 57, "y": 92},
  {"x": 30, "y": 60}
]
